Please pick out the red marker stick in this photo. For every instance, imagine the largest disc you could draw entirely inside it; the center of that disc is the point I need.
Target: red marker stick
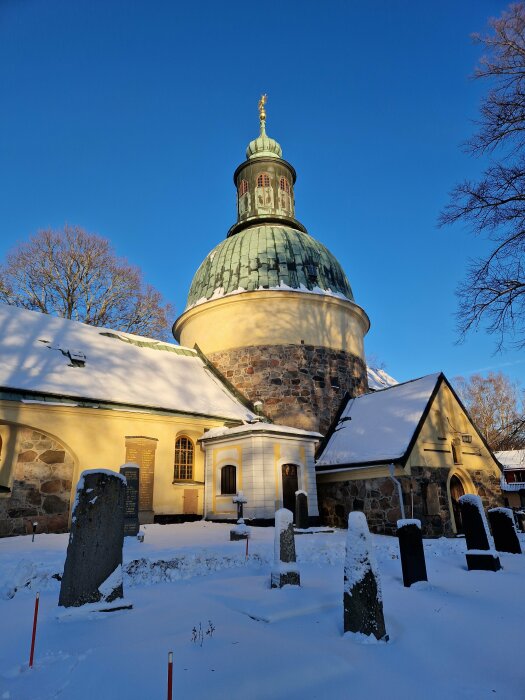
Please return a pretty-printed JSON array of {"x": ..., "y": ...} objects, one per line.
[
  {"x": 35, "y": 619},
  {"x": 170, "y": 675}
]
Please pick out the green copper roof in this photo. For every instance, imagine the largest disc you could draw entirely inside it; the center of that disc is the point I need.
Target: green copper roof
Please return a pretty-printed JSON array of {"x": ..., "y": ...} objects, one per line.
[{"x": 268, "y": 256}]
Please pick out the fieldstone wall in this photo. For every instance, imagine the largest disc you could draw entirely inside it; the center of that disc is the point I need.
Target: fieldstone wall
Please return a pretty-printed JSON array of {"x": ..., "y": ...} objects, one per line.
[
  {"x": 378, "y": 499},
  {"x": 41, "y": 487},
  {"x": 299, "y": 385}
]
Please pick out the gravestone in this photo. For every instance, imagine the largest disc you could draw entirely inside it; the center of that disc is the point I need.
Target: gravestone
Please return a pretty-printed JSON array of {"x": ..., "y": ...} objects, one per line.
[
  {"x": 411, "y": 551},
  {"x": 301, "y": 510},
  {"x": 93, "y": 568},
  {"x": 130, "y": 472},
  {"x": 285, "y": 571},
  {"x": 504, "y": 530},
  {"x": 362, "y": 599},
  {"x": 520, "y": 517},
  {"x": 480, "y": 555},
  {"x": 241, "y": 531}
]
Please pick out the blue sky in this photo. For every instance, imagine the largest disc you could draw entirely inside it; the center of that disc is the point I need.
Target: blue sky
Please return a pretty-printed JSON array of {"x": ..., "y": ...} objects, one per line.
[{"x": 128, "y": 118}]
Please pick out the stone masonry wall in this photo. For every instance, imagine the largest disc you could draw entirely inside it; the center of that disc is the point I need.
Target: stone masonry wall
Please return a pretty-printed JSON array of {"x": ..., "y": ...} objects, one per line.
[
  {"x": 41, "y": 487},
  {"x": 299, "y": 385},
  {"x": 378, "y": 499}
]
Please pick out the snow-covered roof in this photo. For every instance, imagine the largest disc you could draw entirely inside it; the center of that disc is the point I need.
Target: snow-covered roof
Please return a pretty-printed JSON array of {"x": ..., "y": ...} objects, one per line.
[
  {"x": 259, "y": 427},
  {"x": 38, "y": 353},
  {"x": 379, "y": 379},
  {"x": 511, "y": 459},
  {"x": 378, "y": 426}
]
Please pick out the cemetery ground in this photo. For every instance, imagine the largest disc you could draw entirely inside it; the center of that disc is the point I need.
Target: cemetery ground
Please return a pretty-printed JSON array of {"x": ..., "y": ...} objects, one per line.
[{"x": 458, "y": 636}]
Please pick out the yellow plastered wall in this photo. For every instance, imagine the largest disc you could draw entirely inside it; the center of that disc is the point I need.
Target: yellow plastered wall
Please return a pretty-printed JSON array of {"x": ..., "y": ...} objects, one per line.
[
  {"x": 274, "y": 318},
  {"x": 97, "y": 440},
  {"x": 447, "y": 423}
]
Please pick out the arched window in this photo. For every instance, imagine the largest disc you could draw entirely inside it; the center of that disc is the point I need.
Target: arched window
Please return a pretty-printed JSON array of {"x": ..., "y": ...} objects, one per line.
[
  {"x": 284, "y": 185},
  {"x": 184, "y": 452},
  {"x": 243, "y": 187},
  {"x": 263, "y": 180},
  {"x": 229, "y": 479}
]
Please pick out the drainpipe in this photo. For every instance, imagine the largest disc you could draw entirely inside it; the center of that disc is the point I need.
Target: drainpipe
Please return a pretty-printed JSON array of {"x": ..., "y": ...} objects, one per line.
[{"x": 399, "y": 490}]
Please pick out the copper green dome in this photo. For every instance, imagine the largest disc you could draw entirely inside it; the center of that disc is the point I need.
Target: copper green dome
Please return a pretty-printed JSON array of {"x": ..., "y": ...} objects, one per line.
[{"x": 268, "y": 257}]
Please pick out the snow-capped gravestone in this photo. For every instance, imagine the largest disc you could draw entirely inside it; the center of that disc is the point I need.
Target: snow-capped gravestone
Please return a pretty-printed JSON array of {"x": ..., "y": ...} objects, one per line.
[
  {"x": 411, "y": 551},
  {"x": 241, "y": 531},
  {"x": 480, "y": 555},
  {"x": 93, "y": 568},
  {"x": 130, "y": 472},
  {"x": 362, "y": 600},
  {"x": 285, "y": 571},
  {"x": 301, "y": 510},
  {"x": 504, "y": 530}
]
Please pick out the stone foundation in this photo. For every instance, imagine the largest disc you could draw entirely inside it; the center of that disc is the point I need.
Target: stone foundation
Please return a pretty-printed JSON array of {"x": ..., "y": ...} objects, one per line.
[
  {"x": 378, "y": 499},
  {"x": 40, "y": 489},
  {"x": 299, "y": 385}
]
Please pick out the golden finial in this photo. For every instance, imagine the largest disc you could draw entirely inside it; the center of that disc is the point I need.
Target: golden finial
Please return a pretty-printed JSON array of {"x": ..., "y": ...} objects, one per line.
[{"x": 262, "y": 111}]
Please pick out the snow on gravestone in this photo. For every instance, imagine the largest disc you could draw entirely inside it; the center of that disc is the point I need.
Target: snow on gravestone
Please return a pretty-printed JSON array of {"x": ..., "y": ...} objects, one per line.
[
  {"x": 285, "y": 571},
  {"x": 411, "y": 551},
  {"x": 362, "y": 600},
  {"x": 480, "y": 555},
  {"x": 301, "y": 510},
  {"x": 504, "y": 530},
  {"x": 93, "y": 568}
]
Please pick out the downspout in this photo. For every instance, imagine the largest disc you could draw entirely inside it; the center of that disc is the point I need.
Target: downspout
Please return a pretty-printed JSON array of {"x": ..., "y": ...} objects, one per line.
[{"x": 399, "y": 490}]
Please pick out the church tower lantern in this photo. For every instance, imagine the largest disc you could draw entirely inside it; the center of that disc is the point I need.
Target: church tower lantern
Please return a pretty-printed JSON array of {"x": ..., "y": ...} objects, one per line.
[{"x": 271, "y": 307}]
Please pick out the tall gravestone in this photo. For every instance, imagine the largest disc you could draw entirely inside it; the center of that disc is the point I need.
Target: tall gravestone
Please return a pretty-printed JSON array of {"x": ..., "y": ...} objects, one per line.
[
  {"x": 301, "y": 510},
  {"x": 411, "y": 551},
  {"x": 504, "y": 530},
  {"x": 131, "y": 473},
  {"x": 93, "y": 568},
  {"x": 480, "y": 555},
  {"x": 362, "y": 598},
  {"x": 285, "y": 571}
]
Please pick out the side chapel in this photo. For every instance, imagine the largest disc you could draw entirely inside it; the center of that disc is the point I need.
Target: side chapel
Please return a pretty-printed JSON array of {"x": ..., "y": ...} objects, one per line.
[{"x": 269, "y": 376}]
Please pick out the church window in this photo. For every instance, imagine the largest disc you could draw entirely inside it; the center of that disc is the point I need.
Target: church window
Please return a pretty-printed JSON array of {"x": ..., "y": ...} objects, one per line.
[
  {"x": 263, "y": 180},
  {"x": 229, "y": 480},
  {"x": 184, "y": 454},
  {"x": 243, "y": 187},
  {"x": 284, "y": 185},
  {"x": 456, "y": 451}
]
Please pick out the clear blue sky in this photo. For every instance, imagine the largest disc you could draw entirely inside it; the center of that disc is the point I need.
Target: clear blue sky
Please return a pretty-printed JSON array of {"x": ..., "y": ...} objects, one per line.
[{"x": 129, "y": 117}]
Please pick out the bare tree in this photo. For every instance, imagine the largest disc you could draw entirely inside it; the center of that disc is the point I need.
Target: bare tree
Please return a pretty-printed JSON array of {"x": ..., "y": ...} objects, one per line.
[
  {"x": 494, "y": 289},
  {"x": 76, "y": 275},
  {"x": 495, "y": 407}
]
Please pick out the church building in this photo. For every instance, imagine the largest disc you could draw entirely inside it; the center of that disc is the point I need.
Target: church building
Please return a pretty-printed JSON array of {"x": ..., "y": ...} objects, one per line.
[{"x": 270, "y": 376}]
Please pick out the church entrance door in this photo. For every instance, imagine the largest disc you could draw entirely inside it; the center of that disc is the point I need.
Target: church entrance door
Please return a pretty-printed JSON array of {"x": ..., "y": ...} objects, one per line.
[
  {"x": 290, "y": 486},
  {"x": 456, "y": 491}
]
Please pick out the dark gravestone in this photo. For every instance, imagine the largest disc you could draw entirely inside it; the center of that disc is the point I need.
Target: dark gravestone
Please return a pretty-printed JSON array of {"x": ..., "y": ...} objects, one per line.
[
  {"x": 504, "y": 530},
  {"x": 411, "y": 551},
  {"x": 93, "y": 568},
  {"x": 285, "y": 571},
  {"x": 362, "y": 600},
  {"x": 301, "y": 510},
  {"x": 520, "y": 517},
  {"x": 131, "y": 509},
  {"x": 479, "y": 555}
]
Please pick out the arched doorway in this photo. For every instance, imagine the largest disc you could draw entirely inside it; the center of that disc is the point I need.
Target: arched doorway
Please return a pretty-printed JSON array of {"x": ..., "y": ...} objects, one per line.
[
  {"x": 290, "y": 486},
  {"x": 456, "y": 491}
]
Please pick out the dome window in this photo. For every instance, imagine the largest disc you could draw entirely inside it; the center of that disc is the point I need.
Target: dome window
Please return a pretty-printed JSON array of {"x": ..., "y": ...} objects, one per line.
[
  {"x": 243, "y": 187},
  {"x": 263, "y": 180}
]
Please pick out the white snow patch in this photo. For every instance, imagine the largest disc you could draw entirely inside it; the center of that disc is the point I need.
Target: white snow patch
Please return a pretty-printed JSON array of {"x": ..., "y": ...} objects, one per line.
[
  {"x": 409, "y": 521},
  {"x": 113, "y": 581}
]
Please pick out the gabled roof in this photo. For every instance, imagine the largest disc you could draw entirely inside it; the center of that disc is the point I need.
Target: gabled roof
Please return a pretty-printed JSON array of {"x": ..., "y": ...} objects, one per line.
[
  {"x": 511, "y": 459},
  {"x": 379, "y": 427},
  {"x": 379, "y": 379},
  {"x": 44, "y": 355}
]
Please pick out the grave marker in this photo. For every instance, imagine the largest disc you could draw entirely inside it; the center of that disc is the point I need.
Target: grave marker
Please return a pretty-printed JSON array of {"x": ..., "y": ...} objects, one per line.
[
  {"x": 504, "y": 530},
  {"x": 285, "y": 571},
  {"x": 411, "y": 551},
  {"x": 93, "y": 568},
  {"x": 480, "y": 555},
  {"x": 301, "y": 510},
  {"x": 130, "y": 472}
]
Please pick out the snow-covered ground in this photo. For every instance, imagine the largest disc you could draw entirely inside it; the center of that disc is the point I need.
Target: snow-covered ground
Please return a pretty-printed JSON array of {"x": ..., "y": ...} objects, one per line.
[{"x": 459, "y": 636}]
